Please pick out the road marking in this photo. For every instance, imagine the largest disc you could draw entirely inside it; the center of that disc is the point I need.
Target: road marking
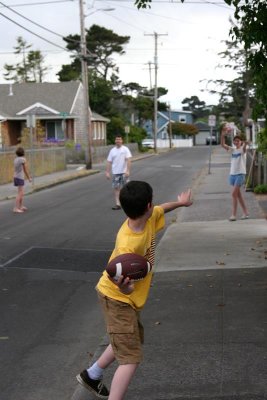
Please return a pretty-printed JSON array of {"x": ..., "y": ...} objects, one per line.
[{"x": 176, "y": 166}]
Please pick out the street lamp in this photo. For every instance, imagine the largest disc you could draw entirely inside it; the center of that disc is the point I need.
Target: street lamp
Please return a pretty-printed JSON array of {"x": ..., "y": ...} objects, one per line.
[{"x": 84, "y": 68}]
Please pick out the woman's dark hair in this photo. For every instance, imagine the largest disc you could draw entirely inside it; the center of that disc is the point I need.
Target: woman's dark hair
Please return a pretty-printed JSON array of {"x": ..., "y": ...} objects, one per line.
[
  {"x": 237, "y": 137},
  {"x": 135, "y": 197},
  {"x": 20, "y": 152}
]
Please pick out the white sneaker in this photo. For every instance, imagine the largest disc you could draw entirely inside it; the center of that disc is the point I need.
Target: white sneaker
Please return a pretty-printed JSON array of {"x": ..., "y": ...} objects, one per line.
[
  {"x": 232, "y": 218},
  {"x": 245, "y": 216},
  {"x": 17, "y": 210}
]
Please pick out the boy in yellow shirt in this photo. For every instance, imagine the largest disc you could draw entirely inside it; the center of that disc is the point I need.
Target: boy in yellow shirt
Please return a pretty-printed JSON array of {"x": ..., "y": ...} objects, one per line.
[{"x": 122, "y": 300}]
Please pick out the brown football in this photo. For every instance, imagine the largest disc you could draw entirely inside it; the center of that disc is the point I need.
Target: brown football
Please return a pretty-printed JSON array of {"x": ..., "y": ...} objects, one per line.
[{"x": 130, "y": 265}]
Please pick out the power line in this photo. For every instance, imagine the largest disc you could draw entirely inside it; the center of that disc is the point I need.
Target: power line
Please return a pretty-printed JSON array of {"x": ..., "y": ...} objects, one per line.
[
  {"x": 33, "y": 33},
  {"x": 40, "y": 26},
  {"x": 31, "y": 21},
  {"x": 40, "y": 3}
]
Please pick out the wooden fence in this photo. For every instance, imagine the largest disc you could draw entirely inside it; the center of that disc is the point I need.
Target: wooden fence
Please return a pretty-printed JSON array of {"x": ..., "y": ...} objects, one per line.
[
  {"x": 256, "y": 168},
  {"x": 40, "y": 162}
]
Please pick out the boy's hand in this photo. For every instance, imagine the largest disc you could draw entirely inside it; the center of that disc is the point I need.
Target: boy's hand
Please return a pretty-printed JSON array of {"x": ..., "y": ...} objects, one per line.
[
  {"x": 125, "y": 285},
  {"x": 185, "y": 198}
]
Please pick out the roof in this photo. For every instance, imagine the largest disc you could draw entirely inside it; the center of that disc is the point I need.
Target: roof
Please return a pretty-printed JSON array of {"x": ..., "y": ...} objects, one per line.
[
  {"x": 58, "y": 96},
  {"x": 202, "y": 126},
  {"x": 98, "y": 117}
]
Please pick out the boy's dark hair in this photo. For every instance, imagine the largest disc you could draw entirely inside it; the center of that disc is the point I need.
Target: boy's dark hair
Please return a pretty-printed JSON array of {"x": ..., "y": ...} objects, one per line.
[
  {"x": 20, "y": 152},
  {"x": 135, "y": 197}
]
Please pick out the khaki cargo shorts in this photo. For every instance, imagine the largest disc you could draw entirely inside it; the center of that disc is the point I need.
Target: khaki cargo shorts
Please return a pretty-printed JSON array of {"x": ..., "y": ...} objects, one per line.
[{"x": 125, "y": 330}]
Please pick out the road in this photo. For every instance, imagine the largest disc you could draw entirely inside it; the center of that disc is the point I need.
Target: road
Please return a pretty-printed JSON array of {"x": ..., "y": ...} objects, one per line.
[{"x": 50, "y": 260}]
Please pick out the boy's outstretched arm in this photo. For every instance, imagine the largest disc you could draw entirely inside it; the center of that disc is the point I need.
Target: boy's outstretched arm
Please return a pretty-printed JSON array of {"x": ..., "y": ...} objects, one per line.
[{"x": 183, "y": 200}]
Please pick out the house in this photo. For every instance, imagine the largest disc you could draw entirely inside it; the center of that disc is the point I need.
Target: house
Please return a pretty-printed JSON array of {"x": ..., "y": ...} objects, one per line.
[
  {"x": 55, "y": 109},
  {"x": 204, "y": 133},
  {"x": 163, "y": 121}
]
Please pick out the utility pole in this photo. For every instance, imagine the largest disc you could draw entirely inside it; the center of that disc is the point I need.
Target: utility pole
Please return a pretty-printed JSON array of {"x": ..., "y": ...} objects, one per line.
[
  {"x": 150, "y": 80},
  {"x": 170, "y": 126},
  {"x": 155, "y": 125},
  {"x": 87, "y": 116}
]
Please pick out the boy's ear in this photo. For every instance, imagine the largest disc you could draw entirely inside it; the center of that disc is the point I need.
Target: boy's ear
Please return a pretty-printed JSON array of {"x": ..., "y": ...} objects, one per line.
[{"x": 149, "y": 206}]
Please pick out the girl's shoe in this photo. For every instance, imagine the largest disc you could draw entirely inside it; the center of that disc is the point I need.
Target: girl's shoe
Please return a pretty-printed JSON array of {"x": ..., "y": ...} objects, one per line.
[
  {"x": 17, "y": 210},
  {"x": 23, "y": 208},
  {"x": 245, "y": 216},
  {"x": 232, "y": 218}
]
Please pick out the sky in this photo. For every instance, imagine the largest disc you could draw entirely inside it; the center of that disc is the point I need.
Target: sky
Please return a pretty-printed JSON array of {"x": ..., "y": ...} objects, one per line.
[{"x": 190, "y": 36}]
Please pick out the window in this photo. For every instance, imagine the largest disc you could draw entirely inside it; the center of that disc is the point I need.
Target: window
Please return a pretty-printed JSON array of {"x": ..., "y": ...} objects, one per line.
[
  {"x": 54, "y": 131},
  {"x": 182, "y": 118}
]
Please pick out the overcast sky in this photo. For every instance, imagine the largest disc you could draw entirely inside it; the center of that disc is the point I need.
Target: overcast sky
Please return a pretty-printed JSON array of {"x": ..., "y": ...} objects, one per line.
[{"x": 190, "y": 37}]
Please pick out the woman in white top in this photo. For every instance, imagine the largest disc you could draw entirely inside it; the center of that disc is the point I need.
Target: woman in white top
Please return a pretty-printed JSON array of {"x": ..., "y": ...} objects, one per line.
[{"x": 237, "y": 175}]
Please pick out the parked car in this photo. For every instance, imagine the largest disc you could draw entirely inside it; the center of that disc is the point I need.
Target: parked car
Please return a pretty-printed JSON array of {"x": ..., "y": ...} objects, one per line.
[
  {"x": 213, "y": 140},
  {"x": 149, "y": 143}
]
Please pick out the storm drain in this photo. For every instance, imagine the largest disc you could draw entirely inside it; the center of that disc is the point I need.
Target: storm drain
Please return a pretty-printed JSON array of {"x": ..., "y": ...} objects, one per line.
[{"x": 61, "y": 259}]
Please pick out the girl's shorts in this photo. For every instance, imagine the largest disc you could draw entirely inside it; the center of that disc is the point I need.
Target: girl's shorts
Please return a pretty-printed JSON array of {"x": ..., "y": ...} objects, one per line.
[
  {"x": 125, "y": 330},
  {"x": 237, "y": 180},
  {"x": 18, "y": 182}
]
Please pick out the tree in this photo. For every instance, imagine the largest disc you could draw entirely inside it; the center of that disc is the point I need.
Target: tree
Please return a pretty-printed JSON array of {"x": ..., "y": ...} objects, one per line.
[
  {"x": 195, "y": 105},
  {"x": 35, "y": 66},
  {"x": 179, "y": 128},
  {"x": 145, "y": 3},
  {"x": 70, "y": 72},
  {"x": 101, "y": 94},
  {"x": 251, "y": 17},
  {"x": 101, "y": 43},
  {"x": 30, "y": 69},
  {"x": 237, "y": 96},
  {"x": 251, "y": 30}
]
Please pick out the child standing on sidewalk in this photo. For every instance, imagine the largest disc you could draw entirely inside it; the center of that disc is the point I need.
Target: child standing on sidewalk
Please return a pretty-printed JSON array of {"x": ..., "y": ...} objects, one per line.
[
  {"x": 237, "y": 172},
  {"x": 20, "y": 169},
  {"x": 123, "y": 300}
]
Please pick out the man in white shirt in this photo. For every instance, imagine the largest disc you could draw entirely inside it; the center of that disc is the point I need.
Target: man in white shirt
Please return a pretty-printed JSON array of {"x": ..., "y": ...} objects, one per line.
[{"x": 119, "y": 164}]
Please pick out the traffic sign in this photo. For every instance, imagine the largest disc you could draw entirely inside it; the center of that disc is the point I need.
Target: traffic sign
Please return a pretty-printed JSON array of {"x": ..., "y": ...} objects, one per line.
[
  {"x": 64, "y": 114},
  {"x": 212, "y": 120}
]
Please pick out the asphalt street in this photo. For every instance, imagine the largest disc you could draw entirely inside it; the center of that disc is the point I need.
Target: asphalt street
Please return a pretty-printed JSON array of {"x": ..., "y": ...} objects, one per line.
[{"x": 205, "y": 320}]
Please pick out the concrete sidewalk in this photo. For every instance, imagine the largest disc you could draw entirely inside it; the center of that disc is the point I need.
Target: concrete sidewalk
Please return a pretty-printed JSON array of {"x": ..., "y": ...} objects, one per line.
[{"x": 206, "y": 317}]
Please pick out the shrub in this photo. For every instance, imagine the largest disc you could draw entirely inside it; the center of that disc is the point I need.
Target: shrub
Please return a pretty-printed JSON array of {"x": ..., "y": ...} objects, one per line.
[
  {"x": 262, "y": 141},
  {"x": 260, "y": 189}
]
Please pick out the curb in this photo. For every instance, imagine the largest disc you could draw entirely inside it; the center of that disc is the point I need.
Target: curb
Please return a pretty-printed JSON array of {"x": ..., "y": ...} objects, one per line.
[{"x": 67, "y": 178}]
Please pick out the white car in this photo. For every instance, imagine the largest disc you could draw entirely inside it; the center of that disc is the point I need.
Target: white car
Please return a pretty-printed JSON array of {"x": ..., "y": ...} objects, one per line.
[
  {"x": 149, "y": 143},
  {"x": 213, "y": 140}
]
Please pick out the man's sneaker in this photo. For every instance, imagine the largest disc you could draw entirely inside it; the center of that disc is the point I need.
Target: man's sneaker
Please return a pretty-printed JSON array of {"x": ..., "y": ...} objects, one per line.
[{"x": 95, "y": 386}]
